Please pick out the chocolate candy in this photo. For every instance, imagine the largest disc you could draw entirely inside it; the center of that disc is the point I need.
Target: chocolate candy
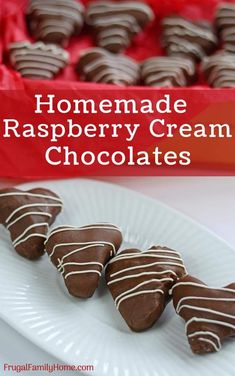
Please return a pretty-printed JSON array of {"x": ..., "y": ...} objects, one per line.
[
  {"x": 54, "y": 21},
  {"x": 168, "y": 71},
  {"x": 219, "y": 70},
  {"x": 37, "y": 60},
  {"x": 225, "y": 22},
  {"x": 27, "y": 215},
  {"x": 140, "y": 282},
  {"x": 80, "y": 253},
  {"x": 186, "y": 38},
  {"x": 116, "y": 23},
  {"x": 209, "y": 313},
  {"x": 99, "y": 65}
]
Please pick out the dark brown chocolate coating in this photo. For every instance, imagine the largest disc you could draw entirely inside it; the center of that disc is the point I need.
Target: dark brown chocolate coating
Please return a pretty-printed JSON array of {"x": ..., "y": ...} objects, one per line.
[
  {"x": 219, "y": 70},
  {"x": 168, "y": 71},
  {"x": 101, "y": 66},
  {"x": 225, "y": 23},
  {"x": 27, "y": 215},
  {"x": 81, "y": 253},
  {"x": 55, "y": 21},
  {"x": 209, "y": 313},
  {"x": 37, "y": 60},
  {"x": 140, "y": 282},
  {"x": 185, "y": 38},
  {"x": 115, "y": 23}
]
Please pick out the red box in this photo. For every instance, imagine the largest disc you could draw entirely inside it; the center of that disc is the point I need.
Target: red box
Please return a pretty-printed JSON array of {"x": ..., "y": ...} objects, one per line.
[{"x": 145, "y": 45}]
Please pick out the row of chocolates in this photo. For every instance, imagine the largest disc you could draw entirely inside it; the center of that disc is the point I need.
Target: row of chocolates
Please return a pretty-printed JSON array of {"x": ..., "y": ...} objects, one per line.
[
  {"x": 114, "y": 24},
  {"x": 45, "y": 61},
  {"x": 141, "y": 282}
]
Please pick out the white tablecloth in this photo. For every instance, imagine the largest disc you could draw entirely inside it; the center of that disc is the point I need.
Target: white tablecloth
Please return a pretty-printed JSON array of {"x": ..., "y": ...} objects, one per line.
[{"x": 209, "y": 200}]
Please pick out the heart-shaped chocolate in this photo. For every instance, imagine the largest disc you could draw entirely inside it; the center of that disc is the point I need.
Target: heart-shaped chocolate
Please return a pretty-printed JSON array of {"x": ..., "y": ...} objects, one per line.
[
  {"x": 115, "y": 23},
  {"x": 225, "y": 22},
  {"x": 209, "y": 313},
  {"x": 99, "y": 65},
  {"x": 55, "y": 21},
  {"x": 37, "y": 60},
  {"x": 140, "y": 282},
  {"x": 219, "y": 70},
  {"x": 27, "y": 215},
  {"x": 182, "y": 37},
  {"x": 80, "y": 253},
  {"x": 168, "y": 71}
]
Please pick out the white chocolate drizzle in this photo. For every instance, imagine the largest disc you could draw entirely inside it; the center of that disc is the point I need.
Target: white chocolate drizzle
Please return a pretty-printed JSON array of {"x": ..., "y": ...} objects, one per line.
[
  {"x": 16, "y": 216},
  {"x": 171, "y": 259},
  {"x": 216, "y": 346},
  {"x": 28, "y": 214},
  {"x": 191, "y": 302},
  {"x": 140, "y": 275},
  {"x": 21, "y": 239},
  {"x": 80, "y": 247},
  {"x": 153, "y": 253},
  {"x": 38, "y": 204},
  {"x": 133, "y": 294},
  {"x": 105, "y": 226}
]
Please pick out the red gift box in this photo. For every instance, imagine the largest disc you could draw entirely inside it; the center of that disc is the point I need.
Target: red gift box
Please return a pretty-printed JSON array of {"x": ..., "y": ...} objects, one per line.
[{"x": 145, "y": 45}]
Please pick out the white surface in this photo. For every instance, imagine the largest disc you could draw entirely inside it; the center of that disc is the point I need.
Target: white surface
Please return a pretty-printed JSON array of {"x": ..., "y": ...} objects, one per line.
[{"x": 209, "y": 200}]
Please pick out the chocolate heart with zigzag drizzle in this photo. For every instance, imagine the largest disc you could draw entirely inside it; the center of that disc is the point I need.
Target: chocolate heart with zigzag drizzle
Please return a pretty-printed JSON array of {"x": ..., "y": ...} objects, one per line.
[
  {"x": 116, "y": 23},
  {"x": 37, "y": 60},
  {"x": 140, "y": 282},
  {"x": 168, "y": 71},
  {"x": 209, "y": 313},
  {"x": 219, "y": 70},
  {"x": 27, "y": 215},
  {"x": 101, "y": 66},
  {"x": 80, "y": 254},
  {"x": 55, "y": 21},
  {"x": 182, "y": 37}
]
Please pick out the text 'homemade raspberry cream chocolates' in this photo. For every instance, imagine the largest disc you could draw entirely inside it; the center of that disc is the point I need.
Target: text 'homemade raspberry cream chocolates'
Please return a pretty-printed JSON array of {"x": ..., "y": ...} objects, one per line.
[
  {"x": 219, "y": 70},
  {"x": 27, "y": 215},
  {"x": 209, "y": 313},
  {"x": 140, "y": 282},
  {"x": 168, "y": 71},
  {"x": 80, "y": 254},
  {"x": 115, "y": 24},
  {"x": 185, "y": 38},
  {"x": 101, "y": 66},
  {"x": 38, "y": 60},
  {"x": 55, "y": 21}
]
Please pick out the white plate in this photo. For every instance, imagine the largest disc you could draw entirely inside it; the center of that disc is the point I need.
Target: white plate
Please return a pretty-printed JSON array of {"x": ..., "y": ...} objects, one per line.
[{"x": 34, "y": 301}]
